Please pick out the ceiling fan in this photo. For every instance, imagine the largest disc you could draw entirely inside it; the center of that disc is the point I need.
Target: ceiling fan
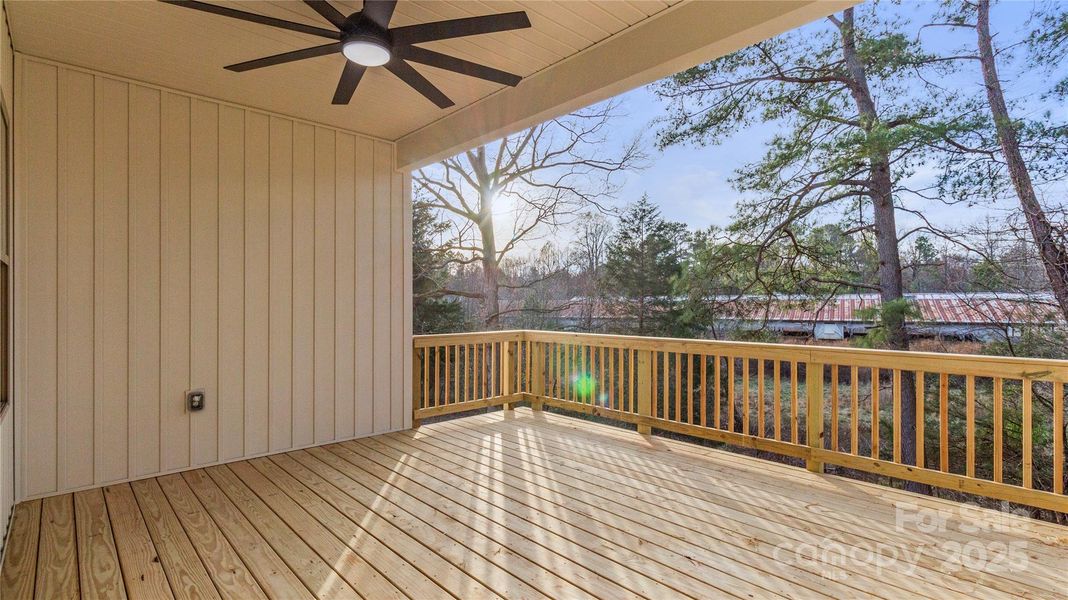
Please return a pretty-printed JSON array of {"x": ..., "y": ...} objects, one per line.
[{"x": 366, "y": 40}]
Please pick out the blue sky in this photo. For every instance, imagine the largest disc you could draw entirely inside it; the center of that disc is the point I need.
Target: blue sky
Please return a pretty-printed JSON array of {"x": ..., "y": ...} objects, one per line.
[{"x": 690, "y": 183}]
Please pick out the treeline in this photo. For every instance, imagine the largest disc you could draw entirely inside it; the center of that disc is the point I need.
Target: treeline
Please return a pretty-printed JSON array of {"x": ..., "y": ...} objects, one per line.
[{"x": 646, "y": 275}]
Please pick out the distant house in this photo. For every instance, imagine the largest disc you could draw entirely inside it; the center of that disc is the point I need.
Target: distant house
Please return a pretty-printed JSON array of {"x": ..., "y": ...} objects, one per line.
[{"x": 975, "y": 316}]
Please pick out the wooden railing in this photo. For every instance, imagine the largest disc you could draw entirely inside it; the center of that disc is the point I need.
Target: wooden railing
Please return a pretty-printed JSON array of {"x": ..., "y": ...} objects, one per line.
[{"x": 758, "y": 396}]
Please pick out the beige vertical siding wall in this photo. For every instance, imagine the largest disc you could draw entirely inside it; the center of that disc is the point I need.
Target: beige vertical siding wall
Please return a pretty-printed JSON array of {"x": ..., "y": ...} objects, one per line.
[{"x": 167, "y": 242}]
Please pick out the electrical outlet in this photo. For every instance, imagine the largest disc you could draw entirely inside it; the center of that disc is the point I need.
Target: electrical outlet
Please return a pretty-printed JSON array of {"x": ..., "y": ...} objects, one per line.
[{"x": 195, "y": 400}]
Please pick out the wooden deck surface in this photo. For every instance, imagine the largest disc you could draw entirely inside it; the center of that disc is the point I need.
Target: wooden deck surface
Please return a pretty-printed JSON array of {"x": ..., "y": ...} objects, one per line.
[{"x": 520, "y": 505}]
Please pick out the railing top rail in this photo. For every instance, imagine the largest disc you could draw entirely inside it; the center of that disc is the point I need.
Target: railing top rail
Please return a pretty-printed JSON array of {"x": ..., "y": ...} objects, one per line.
[
  {"x": 470, "y": 337},
  {"x": 958, "y": 364}
]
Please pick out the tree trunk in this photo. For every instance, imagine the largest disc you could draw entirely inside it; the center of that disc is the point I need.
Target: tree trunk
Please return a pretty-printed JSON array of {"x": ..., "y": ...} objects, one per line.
[
  {"x": 491, "y": 271},
  {"x": 1054, "y": 255},
  {"x": 891, "y": 286}
]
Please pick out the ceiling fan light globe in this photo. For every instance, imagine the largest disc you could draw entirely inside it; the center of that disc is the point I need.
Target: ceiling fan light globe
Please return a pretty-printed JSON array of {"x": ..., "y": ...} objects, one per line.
[{"x": 366, "y": 52}]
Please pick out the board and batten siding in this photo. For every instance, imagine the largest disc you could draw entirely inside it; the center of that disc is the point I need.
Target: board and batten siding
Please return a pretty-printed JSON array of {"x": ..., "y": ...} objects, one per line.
[{"x": 166, "y": 242}]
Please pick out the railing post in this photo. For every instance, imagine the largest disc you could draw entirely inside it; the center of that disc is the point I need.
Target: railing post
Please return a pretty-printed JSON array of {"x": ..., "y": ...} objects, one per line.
[
  {"x": 537, "y": 373},
  {"x": 507, "y": 371},
  {"x": 645, "y": 389},
  {"x": 814, "y": 417},
  {"x": 419, "y": 386}
]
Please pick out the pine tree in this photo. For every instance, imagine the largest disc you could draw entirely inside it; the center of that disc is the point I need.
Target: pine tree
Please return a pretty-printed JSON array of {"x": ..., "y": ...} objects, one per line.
[
  {"x": 432, "y": 312},
  {"x": 645, "y": 255}
]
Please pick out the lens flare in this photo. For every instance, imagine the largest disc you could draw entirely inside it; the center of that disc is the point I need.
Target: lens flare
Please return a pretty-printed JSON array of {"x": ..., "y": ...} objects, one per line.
[{"x": 585, "y": 385}]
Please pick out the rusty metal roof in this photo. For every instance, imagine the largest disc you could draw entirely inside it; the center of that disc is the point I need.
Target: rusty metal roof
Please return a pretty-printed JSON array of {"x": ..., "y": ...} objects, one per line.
[{"x": 935, "y": 308}]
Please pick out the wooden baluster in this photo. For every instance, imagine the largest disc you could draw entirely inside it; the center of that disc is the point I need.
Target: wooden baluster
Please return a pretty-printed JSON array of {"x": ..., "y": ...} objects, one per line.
[
  {"x": 969, "y": 398},
  {"x": 603, "y": 383},
  {"x": 999, "y": 429},
  {"x": 795, "y": 434},
  {"x": 1027, "y": 465},
  {"x": 718, "y": 393},
  {"x": 455, "y": 374},
  {"x": 444, "y": 376},
  {"x": 896, "y": 391},
  {"x": 678, "y": 387},
  {"x": 920, "y": 420},
  {"x": 943, "y": 422},
  {"x": 571, "y": 364},
  {"x": 421, "y": 372},
  {"x": 854, "y": 411},
  {"x": 461, "y": 366},
  {"x": 632, "y": 381},
  {"x": 480, "y": 353},
  {"x": 875, "y": 416},
  {"x": 558, "y": 382},
  {"x": 703, "y": 396},
  {"x": 834, "y": 407},
  {"x": 507, "y": 371},
  {"x": 761, "y": 428},
  {"x": 745, "y": 396},
  {"x": 585, "y": 372},
  {"x": 814, "y": 417},
  {"x": 663, "y": 381},
  {"x": 536, "y": 373},
  {"x": 580, "y": 372},
  {"x": 562, "y": 353},
  {"x": 689, "y": 390},
  {"x": 439, "y": 386},
  {"x": 730, "y": 393},
  {"x": 419, "y": 391},
  {"x": 776, "y": 390},
  {"x": 566, "y": 379},
  {"x": 550, "y": 354},
  {"x": 1058, "y": 437},
  {"x": 645, "y": 389}
]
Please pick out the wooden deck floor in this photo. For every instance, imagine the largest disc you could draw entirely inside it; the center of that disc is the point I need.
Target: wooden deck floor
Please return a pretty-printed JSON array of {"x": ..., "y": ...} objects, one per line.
[{"x": 521, "y": 505}]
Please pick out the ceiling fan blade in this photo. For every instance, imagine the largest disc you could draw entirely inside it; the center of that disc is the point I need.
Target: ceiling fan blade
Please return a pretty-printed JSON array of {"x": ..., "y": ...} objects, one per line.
[
  {"x": 328, "y": 12},
  {"x": 285, "y": 57},
  {"x": 419, "y": 83},
  {"x": 254, "y": 18},
  {"x": 346, "y": 86},
  {"x": 443, "y": 30},
  {"x": 379, "y": 11},
  {"x": 457, "y": 65}
]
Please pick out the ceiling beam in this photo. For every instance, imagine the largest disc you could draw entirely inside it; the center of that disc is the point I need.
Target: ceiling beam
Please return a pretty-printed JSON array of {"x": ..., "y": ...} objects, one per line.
[{"x": 676, "y": 39}]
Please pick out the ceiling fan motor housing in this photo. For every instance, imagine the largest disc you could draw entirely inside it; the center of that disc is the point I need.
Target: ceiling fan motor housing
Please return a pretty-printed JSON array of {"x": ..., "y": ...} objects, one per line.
[
  {"x": 358, "y": 27},
  {"x": 365, "y": 42}
]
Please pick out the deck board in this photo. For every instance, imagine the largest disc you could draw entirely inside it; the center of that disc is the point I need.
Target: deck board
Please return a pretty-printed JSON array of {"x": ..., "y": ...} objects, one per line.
[
  {"x": 19, "y": 573},
  {"x": 508, "y": 505},
  {"x": 98, "y": 561},
  {"x": 229, "y": 573},
  {"x": 186, "y": 574},
  {"x": 142, "y": 571},
  {"x": 57, "y": 555}
]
